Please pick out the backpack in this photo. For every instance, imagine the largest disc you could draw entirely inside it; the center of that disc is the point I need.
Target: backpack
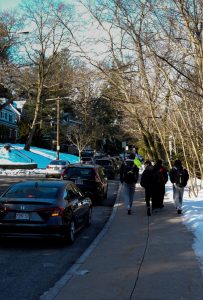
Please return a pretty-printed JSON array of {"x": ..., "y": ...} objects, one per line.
[
  {"x": 159, "y": 177},
  {"x": 129, "y": 174},
  {"x": 180, "y": 177}
]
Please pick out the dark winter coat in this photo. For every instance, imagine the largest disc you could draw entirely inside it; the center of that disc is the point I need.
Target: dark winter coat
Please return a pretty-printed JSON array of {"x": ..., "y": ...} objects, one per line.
[
  {"x": 173, "y": 175},
  {"x": 160, "y": 175},
  {"x": 129, "y": 172},
  {"x": 147, "y": 179}
]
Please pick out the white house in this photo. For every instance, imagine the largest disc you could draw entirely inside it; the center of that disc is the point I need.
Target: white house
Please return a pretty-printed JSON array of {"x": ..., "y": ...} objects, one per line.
[{"x": 9, "y": 117}]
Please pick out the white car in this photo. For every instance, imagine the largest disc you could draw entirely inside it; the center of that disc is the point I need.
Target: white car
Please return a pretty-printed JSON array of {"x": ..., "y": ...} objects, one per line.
[{"x": 56, "y": 168}]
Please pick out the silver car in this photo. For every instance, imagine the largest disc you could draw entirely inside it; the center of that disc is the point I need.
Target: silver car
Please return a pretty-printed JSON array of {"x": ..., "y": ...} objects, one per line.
[{"x": 56, "y": 168}]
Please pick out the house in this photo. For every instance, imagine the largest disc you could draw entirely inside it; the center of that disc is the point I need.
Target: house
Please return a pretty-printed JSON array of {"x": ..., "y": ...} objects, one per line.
[{"x": 9, "y": 118}]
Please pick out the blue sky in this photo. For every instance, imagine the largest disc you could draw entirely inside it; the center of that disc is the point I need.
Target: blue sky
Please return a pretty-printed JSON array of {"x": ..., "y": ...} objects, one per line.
[
  {"x": 11, "y": 4},
  {"x": 7, "y": 4}
]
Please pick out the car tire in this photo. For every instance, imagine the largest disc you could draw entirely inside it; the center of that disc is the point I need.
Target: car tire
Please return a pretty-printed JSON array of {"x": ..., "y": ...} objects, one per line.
[{"x": 69, "y": 235}]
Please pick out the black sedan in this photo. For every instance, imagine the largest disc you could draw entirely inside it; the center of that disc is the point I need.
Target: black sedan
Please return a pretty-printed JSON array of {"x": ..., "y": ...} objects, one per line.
[{"x": 44, "y": 208}]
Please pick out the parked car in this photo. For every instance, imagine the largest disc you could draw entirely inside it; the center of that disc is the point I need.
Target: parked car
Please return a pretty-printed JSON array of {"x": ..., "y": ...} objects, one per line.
[
  {"x": 89, "y": 178},
  {"x": 44, "y": 208},
  {"x": 56, "y": 168},
  {"x": 109, "y": 166},
  {"x": 87, "y": 160}
]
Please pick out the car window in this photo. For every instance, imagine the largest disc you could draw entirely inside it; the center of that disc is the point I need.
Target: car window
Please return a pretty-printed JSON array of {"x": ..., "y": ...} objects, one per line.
[
  {"x": 104, "y": 162},
  {"x": 85, "y": 173},
  {"x": 32, "y": 192},
  {"x": 70, "y": 194}
]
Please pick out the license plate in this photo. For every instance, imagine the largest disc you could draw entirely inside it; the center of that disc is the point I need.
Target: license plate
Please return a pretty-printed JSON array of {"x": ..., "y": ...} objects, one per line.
[
  {"x": 78, "y": 181},
  {"x": 22, "y": 216}
]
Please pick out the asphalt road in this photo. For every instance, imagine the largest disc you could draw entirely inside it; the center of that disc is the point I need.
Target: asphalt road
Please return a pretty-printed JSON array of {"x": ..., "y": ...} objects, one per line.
[{"x": 29, "y": 267}]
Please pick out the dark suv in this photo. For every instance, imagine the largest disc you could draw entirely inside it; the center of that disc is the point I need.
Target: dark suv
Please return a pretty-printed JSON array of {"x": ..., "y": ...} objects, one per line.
[
  {"x": 89, "y": 178},
  {"x": 108, "y": 165}
]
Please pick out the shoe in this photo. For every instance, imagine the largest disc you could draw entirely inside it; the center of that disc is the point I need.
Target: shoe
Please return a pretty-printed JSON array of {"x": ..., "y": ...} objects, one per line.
[
  {"x": 129, "y": 211},
  {"x": 148, "y": 212},
  {"x": 179, "y": 211}
]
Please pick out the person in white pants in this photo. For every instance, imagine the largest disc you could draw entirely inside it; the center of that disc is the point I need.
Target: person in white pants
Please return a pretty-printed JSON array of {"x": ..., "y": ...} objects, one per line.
[{"x": 179, "y": 177}]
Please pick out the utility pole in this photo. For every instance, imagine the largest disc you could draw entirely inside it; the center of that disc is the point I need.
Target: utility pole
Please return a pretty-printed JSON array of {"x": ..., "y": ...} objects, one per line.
[
  {"x": 57, "y": 128},
  {"x": 57, "y": 124}
]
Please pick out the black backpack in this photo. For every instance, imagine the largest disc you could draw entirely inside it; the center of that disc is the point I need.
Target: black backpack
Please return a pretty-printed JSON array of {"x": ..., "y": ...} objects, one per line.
[
  {"x": 130, "y": 174},
  {"x": 180, "y": 177}
]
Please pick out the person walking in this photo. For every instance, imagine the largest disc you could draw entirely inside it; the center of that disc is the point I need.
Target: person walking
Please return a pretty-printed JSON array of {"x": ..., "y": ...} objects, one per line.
[
  {"x": 146, "y": 182},
  {"x": 160, "y": 179},
  {"x": 179, "y": 177},
  {"x": 129, "y": 174}
]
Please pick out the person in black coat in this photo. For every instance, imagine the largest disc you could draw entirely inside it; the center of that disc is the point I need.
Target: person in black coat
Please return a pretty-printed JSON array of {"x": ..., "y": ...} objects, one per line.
[
  {"x": 160, "y": 175},
  {"x": 129, "y": 174},
  {"x": 146, "y": 181}
]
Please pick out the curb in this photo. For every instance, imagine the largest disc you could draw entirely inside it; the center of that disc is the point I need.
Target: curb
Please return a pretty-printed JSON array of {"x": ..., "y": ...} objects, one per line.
[{"x": 65, "y": 279}]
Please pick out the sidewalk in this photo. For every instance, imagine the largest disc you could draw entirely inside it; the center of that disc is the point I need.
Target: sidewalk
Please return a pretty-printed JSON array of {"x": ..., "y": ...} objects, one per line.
[{"x": 138, "y": 258}]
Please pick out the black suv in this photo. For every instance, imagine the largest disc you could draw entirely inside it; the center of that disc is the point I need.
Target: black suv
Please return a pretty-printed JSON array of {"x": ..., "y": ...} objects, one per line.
[
  {"x": 89, "y": 178},
  {"x": 108, "y": 165}
]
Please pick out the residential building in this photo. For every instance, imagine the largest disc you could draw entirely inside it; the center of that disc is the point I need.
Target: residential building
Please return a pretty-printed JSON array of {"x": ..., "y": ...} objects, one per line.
[{"x": 9, "y": 117}]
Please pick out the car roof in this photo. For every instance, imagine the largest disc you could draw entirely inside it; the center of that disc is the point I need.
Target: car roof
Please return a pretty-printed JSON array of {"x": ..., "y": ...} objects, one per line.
[
  {"x": 104, "y": 158},
  {"x": 80, "y": 165},
  {"x": 42, "y": 183}
]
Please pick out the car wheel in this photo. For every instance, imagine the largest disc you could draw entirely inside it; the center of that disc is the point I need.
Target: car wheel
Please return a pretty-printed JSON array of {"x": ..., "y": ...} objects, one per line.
[
  {"x": 89, "y": 217},
  {"x": 69, "y": 236}
]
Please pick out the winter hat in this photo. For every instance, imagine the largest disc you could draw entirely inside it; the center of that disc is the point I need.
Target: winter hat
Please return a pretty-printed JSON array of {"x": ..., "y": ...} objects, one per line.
[
  {"x": 148, "y": 163},
  {"x": 159, "y": 162},
  {"x": 178, "y": 162}
]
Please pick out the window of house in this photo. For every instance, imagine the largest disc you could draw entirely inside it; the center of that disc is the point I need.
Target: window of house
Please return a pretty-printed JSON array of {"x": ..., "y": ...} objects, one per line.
[{"x": 10, "y": 118}]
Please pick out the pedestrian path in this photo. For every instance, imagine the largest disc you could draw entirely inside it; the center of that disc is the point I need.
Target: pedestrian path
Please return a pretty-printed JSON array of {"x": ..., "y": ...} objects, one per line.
[{"x": 138, "y": 258}]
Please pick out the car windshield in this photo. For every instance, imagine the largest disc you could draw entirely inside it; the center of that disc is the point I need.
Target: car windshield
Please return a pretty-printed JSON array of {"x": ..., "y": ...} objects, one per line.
[
  {"x": 31, "y": 192},
  {"x": 103, "y": 162},
  {"x": 85, "y": 173},
  {"x": 58, "y": 162},
  {"x": 86, "y": 158}
]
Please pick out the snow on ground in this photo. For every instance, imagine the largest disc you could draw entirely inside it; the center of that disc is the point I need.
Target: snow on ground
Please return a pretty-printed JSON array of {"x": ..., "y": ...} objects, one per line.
[
  {"x": 40, "y": 156},
  {"x": 192, "y": 215}
]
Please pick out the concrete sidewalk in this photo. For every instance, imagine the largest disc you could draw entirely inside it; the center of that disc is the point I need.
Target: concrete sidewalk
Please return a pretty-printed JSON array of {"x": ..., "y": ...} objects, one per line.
[{"x": 138, "y": 258}]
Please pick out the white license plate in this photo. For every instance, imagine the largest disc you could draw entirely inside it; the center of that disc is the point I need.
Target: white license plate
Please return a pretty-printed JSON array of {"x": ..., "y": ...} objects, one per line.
[
  {"x": 22, "y": 216},
  {"x": 78, "y": 181}
]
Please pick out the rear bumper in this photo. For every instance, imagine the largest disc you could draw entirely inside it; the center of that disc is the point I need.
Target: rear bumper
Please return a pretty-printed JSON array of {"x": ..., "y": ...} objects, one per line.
[{"x": 7, "y": 230}]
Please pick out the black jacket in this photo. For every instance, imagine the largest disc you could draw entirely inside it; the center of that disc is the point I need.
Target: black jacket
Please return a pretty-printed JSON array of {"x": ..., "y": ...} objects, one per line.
[
  {"x": 147, "y": 178},
  {"x": 173, "y": 175},
  {"x": 129, "y": 172}
]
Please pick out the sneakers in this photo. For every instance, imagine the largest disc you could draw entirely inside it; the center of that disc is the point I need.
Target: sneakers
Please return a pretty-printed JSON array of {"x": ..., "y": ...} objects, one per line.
[
  {"x": 129, "y": 211},
  {"x": 148, "y": 211}
]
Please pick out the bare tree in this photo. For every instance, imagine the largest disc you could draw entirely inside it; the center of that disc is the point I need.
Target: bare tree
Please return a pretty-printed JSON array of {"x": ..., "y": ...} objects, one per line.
[{"x": 42, "y": 49}]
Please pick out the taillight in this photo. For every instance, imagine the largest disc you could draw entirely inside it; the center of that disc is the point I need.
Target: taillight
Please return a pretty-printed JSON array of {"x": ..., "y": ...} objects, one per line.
[
  {"x": 64, "y": 172},
  {"x": 53, "y": 211}
]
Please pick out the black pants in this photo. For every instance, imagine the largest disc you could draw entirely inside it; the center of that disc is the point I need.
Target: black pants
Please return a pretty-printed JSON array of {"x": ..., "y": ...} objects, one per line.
[
  {"x": 158, "y": 196},
  {"x": 148, "y": 196}
]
